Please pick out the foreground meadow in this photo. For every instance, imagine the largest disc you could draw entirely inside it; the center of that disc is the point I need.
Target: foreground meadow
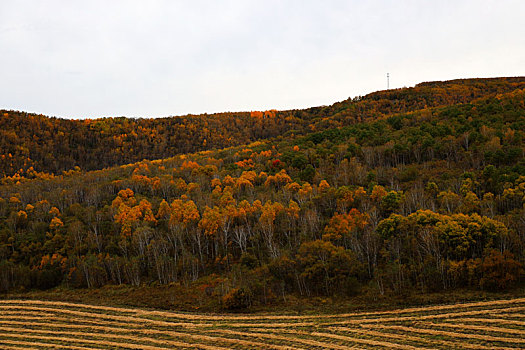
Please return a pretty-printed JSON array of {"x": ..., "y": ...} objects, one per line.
[{"x": 34, "y": 324}]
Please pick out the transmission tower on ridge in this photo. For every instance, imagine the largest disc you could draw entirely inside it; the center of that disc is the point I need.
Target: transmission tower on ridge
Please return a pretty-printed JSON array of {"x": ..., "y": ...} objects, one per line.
[{"x": 388, "y": 81}]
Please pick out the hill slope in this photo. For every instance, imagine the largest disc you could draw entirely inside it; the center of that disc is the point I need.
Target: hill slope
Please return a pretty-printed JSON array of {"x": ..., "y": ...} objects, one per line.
[
  {"x": 53, "y": 145},
  {"x": 420, "y": 201}
]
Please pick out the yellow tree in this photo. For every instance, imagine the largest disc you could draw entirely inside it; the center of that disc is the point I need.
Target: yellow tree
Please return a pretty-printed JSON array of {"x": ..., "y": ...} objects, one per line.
[
  {"x": 449, "y": 200},
  {"x": 378, "y": 192},
  {"x": 129, "y": 214},
  {"x": 343, "y": 225},
  {"x": 269, "y": 213},
  {"x": 164, "y": 210}
]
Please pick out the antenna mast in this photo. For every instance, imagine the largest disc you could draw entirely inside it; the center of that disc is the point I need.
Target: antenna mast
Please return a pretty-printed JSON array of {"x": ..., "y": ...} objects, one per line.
[{"x": 388, "y": 81}]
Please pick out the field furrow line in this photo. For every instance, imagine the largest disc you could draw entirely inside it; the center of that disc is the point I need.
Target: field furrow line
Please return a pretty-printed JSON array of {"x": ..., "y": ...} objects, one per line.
[
  {"x": 264, "y": 334},
  {"x": 520, "y": 316},
  {"x": 26, "y": 345},
  {"x": 413, "y": 338},
  {"x": 67, "y": 304},
  {"x": 50, "y": 312},
  {"x": 116, "y": 332},
  {"x": 475, "y": 327},
  {"x": 62, "y": 322},
  {"x": 64, "y": 325},
  {"x": 109, "y": 317},
  {"x": 439, "y": 307},
  {"x": 426, "y": 317},
  {"x": 65, "y": 320},
  {"x": 249, "y": 343},
  {"x": 17, "y": 346},
  {"x": 166, "y": 344},
  {"x": 454, "y": 334},
  {"x": 272, "y": 317},
  {"x": 28, "y": 315},
  {"x": 385, "y": 344},
  {"x": 76, "y": 340},
  {"x": 362, "y": 341},
  {"x": 493, "y": 320},
  {"x": 449, "y": 344},
  {"x": 190, "y": 324},
  {"x": 10, "y": 313}
]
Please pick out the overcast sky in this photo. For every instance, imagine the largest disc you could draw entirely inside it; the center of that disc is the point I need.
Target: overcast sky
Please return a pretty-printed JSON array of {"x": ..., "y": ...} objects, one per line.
[{"x": 78, "y": 59}]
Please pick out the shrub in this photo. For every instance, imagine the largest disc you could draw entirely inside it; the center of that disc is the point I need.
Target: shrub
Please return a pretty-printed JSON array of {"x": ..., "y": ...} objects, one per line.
[
  {"x": 327, "y": 269},
  {"x": 500, "y": 271},
  {"x": 236, "y": 299}
]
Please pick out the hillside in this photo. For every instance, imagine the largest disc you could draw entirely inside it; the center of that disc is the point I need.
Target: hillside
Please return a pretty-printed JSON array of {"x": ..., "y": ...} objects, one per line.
[
  {"x": 406, "y": 191},
  {"x": 53, "y": 145}
]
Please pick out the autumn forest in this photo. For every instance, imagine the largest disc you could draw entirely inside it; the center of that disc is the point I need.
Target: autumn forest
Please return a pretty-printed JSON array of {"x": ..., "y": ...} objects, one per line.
[{"x": 407, "y": 190}]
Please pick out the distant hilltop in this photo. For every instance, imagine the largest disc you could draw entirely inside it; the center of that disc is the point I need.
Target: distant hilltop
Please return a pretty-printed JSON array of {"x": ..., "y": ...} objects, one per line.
[{"x": 53, "y": 145}]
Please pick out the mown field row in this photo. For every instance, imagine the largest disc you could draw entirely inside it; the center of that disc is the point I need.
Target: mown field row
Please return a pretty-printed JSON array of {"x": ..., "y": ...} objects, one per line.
[{"x": 35, "y": 324}]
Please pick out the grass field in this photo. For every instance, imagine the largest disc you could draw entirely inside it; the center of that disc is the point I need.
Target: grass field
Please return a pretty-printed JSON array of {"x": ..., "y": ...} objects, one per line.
[{"x": 32, "y": 324}]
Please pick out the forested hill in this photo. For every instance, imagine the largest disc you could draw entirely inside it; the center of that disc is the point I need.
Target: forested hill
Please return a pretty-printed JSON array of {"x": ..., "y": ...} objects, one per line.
[
  {"x": 402, "y": 201},
  {"x": 31, "y": 145}
]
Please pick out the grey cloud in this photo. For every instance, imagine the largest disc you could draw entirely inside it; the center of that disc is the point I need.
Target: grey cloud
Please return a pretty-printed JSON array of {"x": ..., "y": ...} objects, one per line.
[{"x": 158, "y": 58}]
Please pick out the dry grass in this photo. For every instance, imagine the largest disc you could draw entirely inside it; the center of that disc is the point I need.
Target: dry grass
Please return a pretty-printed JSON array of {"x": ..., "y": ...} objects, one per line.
[
  {"x": 476, "y": 328},
  {"x": 353, "y": 340},
  {"x": 31, "y": 345},
  {"x": 267, "y": 335},
  {"x": 38, "y": 324},
  {"x": 430, "y": 331},
  {"x": 494, "y": 320},
  {"x": 125, "y": 329},
  {"x": 78, "y": 337},
  {"x": 138, "y": 312},
  {"x": 409, "y": 337}
]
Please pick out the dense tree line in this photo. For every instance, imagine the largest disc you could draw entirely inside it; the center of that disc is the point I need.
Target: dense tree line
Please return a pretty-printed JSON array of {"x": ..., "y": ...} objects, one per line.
[
  {"x": 429, "y": 200},
  {"x": 34, "y": 145}
]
